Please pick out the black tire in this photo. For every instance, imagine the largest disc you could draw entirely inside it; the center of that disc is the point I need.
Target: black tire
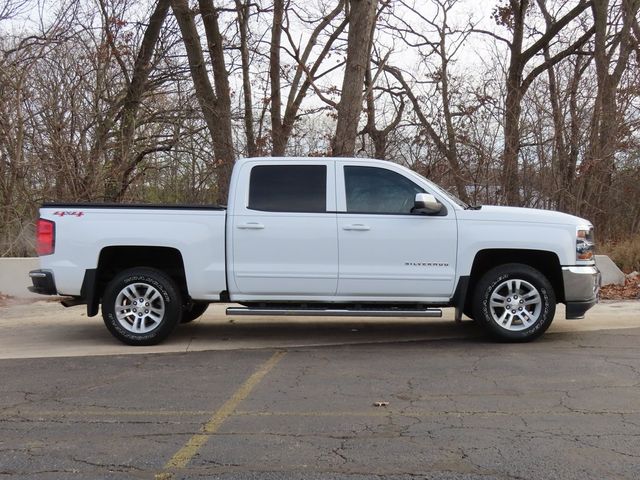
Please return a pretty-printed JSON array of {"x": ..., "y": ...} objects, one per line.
[
  {"x": 156, "y": 316},
  {"x": 193, "y": 311},
  {"x": 529, "y": 316}
]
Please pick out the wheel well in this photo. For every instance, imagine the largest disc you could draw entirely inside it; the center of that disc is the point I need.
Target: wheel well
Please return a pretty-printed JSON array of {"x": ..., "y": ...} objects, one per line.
[
  {"x": 545, "y": 262},
  {"x": 116, "y": 259}
]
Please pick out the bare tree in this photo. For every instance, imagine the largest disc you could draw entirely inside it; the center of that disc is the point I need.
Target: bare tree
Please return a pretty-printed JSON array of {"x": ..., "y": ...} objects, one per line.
[
  {"x": 362, "y": 15},
  {"x": 514, "y": 16},
  {"x": 379, "y": 136},
  {"x": 11, "y": 8},
  {"x": 243, "y": 9},
  {"x": 126, "y": 159},
  {"x": 606, "y": 119},
  {"x": 440, "y": 46},
  {"x": 306, "y": 72},
  {"x": 107, "y": 100},
  {"x": 216, "y": 106}
]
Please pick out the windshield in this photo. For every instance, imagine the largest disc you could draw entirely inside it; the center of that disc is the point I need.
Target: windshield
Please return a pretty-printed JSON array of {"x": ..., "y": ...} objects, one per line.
[{"x": 443, "y": 191}]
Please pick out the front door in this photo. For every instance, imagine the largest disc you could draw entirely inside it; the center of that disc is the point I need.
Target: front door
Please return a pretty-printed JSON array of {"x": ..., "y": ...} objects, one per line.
[{"x": 385, "y": 250}]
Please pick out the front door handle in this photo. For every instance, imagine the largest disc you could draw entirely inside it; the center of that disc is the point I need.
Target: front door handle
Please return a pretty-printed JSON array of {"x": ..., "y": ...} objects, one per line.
[
  {"x": 358, "y": 227},
  {"x": 251, "y": 226}
]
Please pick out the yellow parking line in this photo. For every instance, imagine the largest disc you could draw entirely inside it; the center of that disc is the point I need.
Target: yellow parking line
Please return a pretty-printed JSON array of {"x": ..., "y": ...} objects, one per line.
[{"x": 195, "y": 443}]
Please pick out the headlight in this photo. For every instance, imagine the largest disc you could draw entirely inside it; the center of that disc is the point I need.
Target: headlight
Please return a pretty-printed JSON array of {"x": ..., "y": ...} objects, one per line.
[{"x": 585, "y": 245}]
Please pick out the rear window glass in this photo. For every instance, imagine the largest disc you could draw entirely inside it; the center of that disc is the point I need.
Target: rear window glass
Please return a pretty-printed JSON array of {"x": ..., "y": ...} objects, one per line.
[{"x": 288, "y": 188}]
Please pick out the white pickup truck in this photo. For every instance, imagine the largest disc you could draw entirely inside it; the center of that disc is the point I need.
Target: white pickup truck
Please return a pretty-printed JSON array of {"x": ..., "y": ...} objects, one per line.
[{"x": 318, "y": 236}]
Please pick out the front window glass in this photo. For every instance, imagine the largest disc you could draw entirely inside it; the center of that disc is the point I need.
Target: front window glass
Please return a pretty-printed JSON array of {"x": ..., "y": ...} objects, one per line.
[{"x": 378, "y": 190}]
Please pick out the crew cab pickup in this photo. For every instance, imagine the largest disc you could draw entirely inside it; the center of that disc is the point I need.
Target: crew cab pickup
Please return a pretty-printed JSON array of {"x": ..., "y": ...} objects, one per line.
[{"x": 318, "y": 236}]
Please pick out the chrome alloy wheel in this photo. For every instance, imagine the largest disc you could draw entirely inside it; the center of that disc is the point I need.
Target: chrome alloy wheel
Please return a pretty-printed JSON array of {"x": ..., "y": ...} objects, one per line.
[
  {"x": 139, "y": 308},
  {"x": 515, "y": 305}
]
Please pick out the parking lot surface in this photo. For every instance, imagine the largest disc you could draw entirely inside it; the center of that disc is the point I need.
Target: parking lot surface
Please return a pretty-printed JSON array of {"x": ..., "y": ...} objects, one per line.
[{"x": 297, "y": 400}]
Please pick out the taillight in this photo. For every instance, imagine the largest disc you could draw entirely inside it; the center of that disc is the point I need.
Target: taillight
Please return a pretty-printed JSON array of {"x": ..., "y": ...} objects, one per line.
[{"x": 45, "y": 237}]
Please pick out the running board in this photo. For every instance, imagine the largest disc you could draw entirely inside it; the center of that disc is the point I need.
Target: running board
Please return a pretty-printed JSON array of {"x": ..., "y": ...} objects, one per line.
[{"x": 330, "y": 312}]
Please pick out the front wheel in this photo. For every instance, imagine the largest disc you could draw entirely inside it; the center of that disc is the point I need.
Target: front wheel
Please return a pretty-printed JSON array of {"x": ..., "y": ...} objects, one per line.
[
  {"x": 515, "y": 302},
  {"x": 141, "y": 306}
]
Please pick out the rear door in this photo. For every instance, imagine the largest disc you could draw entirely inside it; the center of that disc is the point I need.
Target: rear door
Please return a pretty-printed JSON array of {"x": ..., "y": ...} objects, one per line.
[{"x": 283, "y": 230}]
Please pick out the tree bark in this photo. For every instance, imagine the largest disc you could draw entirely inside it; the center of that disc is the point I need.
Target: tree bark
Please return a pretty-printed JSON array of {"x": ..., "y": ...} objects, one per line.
[
  {"x": 225, "y": 155},
  {"x": 243, "y": 25},
  {"x": 362, "y": 16},
  {"x": 606, "y": 120},
  {"x": 513, "y": 101},
  {"x": 216, "y": 111},
  {"x": 279, "y": 140},
  {"x": 378, "y": 136},
  {"x": 282, "y": 125},
  {"x": 517, "y": 85},
  {"x": 117, "y": 179}
]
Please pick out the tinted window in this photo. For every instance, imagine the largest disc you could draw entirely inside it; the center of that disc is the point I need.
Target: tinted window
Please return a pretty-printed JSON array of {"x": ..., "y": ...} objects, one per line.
[
  {"x": 288, "y": 188},
  {"x": 378, "y": 190}
]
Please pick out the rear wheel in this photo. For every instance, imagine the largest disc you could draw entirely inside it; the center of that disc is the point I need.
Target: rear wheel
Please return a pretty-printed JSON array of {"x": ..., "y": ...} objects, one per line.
[
  {"x": 515, "y": 302},
  {"x": 141, "y": 306}
]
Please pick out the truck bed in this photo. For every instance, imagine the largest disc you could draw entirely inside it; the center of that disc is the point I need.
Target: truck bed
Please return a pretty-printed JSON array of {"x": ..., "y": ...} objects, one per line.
[{"x": 85, "y": 230}]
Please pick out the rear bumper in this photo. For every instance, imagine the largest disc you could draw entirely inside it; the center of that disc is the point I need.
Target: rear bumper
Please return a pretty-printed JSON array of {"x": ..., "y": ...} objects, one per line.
[
  {"x": 43, "y": 282},
  {"x": 581, "y": 289}
]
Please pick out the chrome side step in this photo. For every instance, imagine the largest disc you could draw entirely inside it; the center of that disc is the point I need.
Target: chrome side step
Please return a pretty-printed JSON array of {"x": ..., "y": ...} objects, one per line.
[{"x": 331, "y": 312}]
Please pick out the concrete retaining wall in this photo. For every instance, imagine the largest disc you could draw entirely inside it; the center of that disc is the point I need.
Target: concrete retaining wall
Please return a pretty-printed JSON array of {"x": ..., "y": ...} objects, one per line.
[
  {"x": 14, "y": 276},
  {"x": 610, "y": 271}
]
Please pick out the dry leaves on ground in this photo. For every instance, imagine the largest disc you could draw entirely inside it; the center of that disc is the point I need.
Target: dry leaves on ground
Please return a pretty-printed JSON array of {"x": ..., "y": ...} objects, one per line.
[{"x": 629, "y": 291}]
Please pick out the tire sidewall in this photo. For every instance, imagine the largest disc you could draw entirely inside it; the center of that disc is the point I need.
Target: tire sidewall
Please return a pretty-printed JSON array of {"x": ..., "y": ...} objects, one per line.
[
  {"x": 170, "y": 296},
  {"x": 521, "y": 272}
]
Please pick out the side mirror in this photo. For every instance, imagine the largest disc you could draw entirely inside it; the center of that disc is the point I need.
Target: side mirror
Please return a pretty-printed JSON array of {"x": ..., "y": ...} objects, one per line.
[{"x": 426, "y": 204}]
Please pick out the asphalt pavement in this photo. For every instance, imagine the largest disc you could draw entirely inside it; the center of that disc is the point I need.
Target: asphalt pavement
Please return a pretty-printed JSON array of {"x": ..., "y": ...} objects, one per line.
[{"x": 328, "y": 399}]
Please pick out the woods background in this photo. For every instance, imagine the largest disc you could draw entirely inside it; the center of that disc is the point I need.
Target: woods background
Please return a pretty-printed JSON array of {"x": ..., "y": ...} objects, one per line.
[{"x": 518, "y": 102}]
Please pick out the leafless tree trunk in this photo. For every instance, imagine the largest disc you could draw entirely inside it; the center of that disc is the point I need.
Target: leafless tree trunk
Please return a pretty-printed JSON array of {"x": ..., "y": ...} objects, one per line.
[
  {"x": 304, "y": 76},
  {"x": 362, "y": 15},
  {"x": 606, "y": 119},
  {"x": 225, "y": 155},
  {"x": 123, "y": 164},
  {"x": 243, "y": 9},
  {"x": 379, "y": 136},
  {"x": 216, "y": 106},
  {"x": 517, "y": 84},
  {"x": 442, "y": 145},
  {"x": 566, "y": 139},
  {"x": 279, "y": 140}
]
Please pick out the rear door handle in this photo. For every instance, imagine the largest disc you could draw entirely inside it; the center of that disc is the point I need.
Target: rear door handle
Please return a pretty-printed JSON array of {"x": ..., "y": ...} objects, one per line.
[
  {"x": 357, "y": 226},
  {"x": 251, "y": 226}
]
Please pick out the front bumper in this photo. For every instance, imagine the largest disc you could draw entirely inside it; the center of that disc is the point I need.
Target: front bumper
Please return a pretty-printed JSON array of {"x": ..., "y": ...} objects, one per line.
[
  {"x": 43, "y": 282},
  {"x": 581, "y": 289}
]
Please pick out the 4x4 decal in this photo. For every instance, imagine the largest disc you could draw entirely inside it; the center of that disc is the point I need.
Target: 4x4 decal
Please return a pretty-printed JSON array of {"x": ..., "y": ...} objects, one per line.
[{"x": 69, "y": 213}]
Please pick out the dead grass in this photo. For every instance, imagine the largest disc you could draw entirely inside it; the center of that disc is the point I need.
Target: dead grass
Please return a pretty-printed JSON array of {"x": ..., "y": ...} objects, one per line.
[{"x": 625, "y": 253}]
